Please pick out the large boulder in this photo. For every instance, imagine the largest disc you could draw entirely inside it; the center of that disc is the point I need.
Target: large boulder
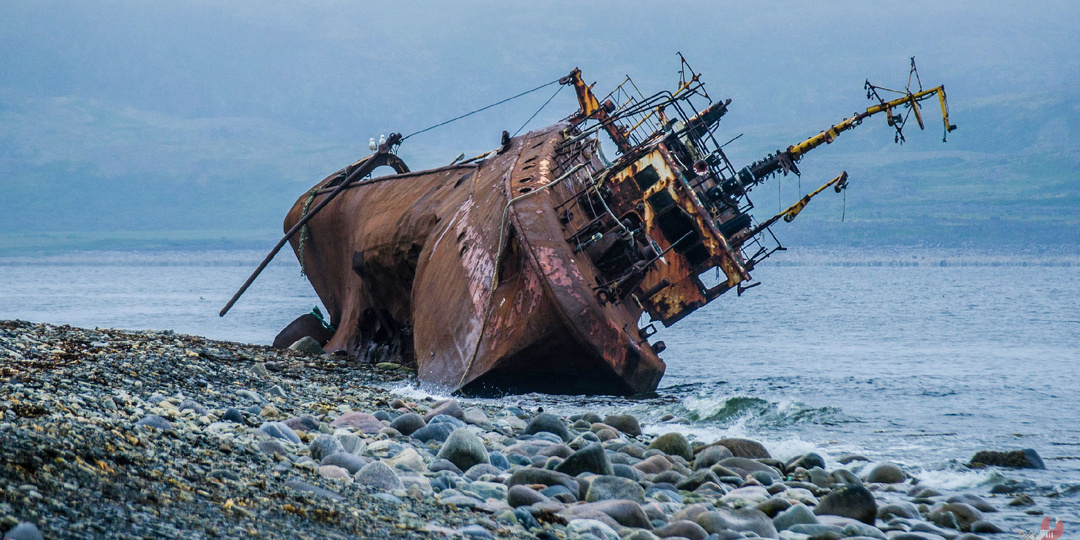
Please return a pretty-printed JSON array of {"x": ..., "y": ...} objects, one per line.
[
  {"x": 1027, "y": 458},
  {"x": 464, "y": 449},
  {"x": 851, "y": 501},
  {"x": 589, "y": 459},
  {"x": 745, "y": 448}
]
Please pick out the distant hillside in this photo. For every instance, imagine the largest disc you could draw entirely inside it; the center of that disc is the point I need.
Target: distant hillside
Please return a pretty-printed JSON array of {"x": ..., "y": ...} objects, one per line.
[{"x": 197, "y": 124}]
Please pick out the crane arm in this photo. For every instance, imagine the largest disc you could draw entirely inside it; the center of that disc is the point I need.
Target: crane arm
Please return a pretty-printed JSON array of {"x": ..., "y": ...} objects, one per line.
[{"x": 785, "y": 160}]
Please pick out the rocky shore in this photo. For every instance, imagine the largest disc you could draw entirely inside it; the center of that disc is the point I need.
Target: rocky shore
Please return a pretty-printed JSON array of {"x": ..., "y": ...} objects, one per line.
[{"x": 107, "y": 433}]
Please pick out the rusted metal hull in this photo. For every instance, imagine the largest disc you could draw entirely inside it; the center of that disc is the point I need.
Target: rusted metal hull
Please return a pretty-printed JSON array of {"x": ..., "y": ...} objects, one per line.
[{"x": 406, "y": 269}]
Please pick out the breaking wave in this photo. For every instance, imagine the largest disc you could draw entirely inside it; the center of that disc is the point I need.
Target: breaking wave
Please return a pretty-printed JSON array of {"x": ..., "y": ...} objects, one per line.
[{"x": 757, "y": 412}]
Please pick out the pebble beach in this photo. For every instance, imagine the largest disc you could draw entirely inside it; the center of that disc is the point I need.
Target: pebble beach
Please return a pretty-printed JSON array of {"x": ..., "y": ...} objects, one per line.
[{"x": 120, "y": 434}]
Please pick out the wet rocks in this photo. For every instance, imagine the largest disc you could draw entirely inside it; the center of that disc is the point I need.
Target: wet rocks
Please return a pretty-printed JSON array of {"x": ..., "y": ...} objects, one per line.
[
  {"x": 279, "y": 430},
  {"x": 589, "y": 459},
  {"x": 156, "y": 422},
  {"x": 851, "y": 501},
  {"x": 24, "y": 531},
  {"x": 307, "y": 345},
  {"x": 362, "y": 421},
  {"x": 745, "y": 448},
  {"x": 741, "y": 520},
  {"x": 379, "y": 476},
  {"x": 548, "y": 423},
  {"x": 614, "y": 487},
  {"x": 324, "y": 445},
  {"x": 449, "y": 407},
  {"x": 625, "y": 423},
  {"x": 352, "y": 459},
  {"x": 673, "y": 444},
  {"x": 795, "y": 515},
  {"x": 1018, "y": 459},
  {"x": 463, "y": 449},
  {"x": 886, "y": 473}
]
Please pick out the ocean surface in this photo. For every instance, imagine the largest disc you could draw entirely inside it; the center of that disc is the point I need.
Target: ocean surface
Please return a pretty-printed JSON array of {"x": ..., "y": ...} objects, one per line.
[{"x": 918, "y": 356}]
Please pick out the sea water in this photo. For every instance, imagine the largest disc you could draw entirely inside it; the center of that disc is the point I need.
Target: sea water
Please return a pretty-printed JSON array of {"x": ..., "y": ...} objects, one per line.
[{"x": 916, "y": 356}]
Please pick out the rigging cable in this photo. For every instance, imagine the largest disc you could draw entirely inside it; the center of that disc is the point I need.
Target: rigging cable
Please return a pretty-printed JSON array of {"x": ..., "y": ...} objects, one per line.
[
  {"x": 484, "y": 108},
  {"x": 538, "y": 111}
]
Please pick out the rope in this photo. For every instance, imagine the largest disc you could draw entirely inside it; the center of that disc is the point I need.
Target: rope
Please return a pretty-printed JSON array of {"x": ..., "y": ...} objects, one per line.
[
  {"x": 538, "y": 111},
  {"x": 305, "y": 233},
  {"x": 498, "y": 261},
  {"x": 455, "y": 119}
]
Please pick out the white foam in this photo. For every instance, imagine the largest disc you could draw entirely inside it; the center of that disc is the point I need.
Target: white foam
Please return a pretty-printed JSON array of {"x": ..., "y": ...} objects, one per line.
[
  {"x": 415, "y": 393},
  {"x": 956, "y": 480}
]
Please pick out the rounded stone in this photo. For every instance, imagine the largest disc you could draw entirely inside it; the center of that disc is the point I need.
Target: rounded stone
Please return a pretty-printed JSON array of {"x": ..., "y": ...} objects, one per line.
[
  {"x": 851, "y": 501},
  {"x": 797, "y": 514},
  {"x": 614, "y": 487},
  {"x": 449, "y": 407},
  {"x": 463, "y": 449},
  {"x": 592, "y": 459},
  {"x": 24, "y": 531},
  {"x": 155, "y": 421},
  {"x": 626, "y": 423},
  {"x": 682, "y": 528},
  {"x": 711, "y": 455},
  {"x": 324, "y": 445},
  {"x": 379, "y": 476},
  {"x": 279, "y": 430},
  {"x": 673, "y": 444},
  {"x": 741, "y": 520},
  {"x": 523, "y": 496},
  {"x": 549, "y": 423},
  {"x": 886, "y": 473},
  {"x": 345, "y": 460},
  {"x": 745, "y": 448},
  {"x": 433, "y": 432},
  {"x": 407, "y": 423},
  {"x": 232, "y": 414}
]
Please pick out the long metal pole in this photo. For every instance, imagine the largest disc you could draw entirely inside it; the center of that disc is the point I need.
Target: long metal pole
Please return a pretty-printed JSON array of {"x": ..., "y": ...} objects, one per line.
[{"x": 376, "y": 159}]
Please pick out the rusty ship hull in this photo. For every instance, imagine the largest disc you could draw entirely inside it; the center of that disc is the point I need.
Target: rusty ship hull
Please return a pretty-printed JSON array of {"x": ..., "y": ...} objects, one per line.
[
  {"x": 542, "y": 266},
  {"x": 406, "y": 270}
]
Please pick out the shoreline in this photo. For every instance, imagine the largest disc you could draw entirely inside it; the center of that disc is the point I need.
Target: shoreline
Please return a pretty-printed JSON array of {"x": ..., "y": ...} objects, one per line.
[{"x": 128, "y": 434}]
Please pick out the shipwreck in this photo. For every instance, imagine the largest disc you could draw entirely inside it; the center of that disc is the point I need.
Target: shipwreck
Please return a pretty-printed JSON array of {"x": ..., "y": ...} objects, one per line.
[{"x": 544, "y": 265}]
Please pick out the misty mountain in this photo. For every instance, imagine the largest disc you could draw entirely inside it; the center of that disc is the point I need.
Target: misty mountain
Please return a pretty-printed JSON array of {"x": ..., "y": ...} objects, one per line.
[{"x": 197, "y": 124}]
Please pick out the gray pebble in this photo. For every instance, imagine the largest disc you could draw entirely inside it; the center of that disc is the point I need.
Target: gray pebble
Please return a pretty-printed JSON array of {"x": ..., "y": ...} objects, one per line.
[
  {"x": 155, "y": 421},
  {"x": 379, "y": 476}
]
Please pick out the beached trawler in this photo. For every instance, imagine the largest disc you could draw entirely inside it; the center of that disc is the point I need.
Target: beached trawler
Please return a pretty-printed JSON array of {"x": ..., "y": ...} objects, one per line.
[{"x": 529, "y": 268}]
